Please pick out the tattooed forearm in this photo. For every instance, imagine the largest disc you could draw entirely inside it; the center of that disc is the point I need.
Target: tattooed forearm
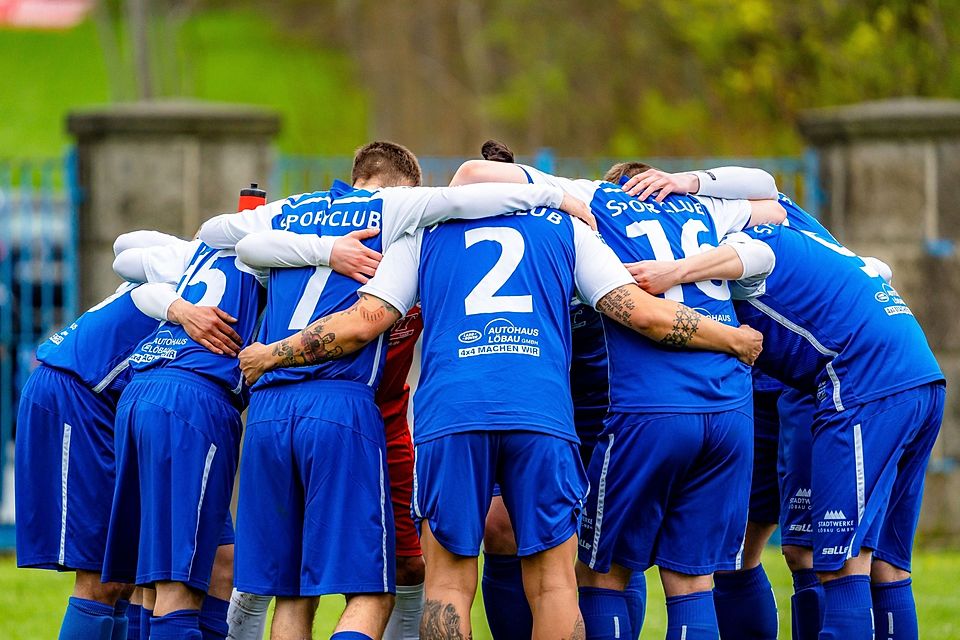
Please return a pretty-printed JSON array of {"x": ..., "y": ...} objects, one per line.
[
  {"x": 312, "y": 345},
  {"x": 618, "y": 304},
  {"x": 373, "y": 309},
  {"x": 441, "y": 621},
  {"x": 685, "y": 324}
]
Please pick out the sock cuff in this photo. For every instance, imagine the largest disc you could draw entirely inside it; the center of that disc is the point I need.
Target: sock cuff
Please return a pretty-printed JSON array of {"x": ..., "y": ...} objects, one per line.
[
  {"x": 214, "y": 605},
  {"x": 848, "y": 592},
  {"x": 893, "y": 595},
  {"x": 90, "y": 607},
  {"x": 689, "y": 598},
  {"x": 805, "y": 579},
  {"x": 734, "y": 582},
  {"x": 409, "y": 589},
  {"x": 600, "y": 592},
  {"x": 350, "y": 635}
]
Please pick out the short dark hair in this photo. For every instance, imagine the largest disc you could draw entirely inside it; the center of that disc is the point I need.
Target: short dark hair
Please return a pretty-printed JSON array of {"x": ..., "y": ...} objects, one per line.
[
  {"x": 496, "y": 151},
  {"x": 393, "y": 163},
  {"x": 621, "y": 169}
]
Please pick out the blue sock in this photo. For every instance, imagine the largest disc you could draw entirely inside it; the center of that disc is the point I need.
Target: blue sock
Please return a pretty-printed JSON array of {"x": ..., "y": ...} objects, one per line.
[
  {"x": 636, "y": 595},
  {"x": 350, "y": 635},
  {"x": 146, "y": 617},
  {"x": 894, "y": 611},
  {"x": 87, "y": 620},
  {"x": 606, "y": 614},
  {"x": 508, "y": 612},
  {"x": 133, "y": 622},
  {"x": 213, "y": 618},
  {"x": 177, "y": 625},
  {"x": 847, "y": 609},
  {"x": 746, "y": 608},
  {"x": 806, "y": 605},
  {"x": 692, "y": 617},
  {"x": 120, "y": 620}
]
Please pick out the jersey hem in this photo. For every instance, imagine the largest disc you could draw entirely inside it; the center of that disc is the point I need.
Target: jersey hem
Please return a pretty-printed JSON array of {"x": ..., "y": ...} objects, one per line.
[
  {"x": 473, "y": 427},
  {"x": 854, "y": 401},
  {"x": 711, "y": 408}
]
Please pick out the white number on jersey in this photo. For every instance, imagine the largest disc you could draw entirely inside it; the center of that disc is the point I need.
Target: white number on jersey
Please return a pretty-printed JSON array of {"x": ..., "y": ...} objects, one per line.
[
  {"x": 689, "y": 244},
  {"x": 213, "y": 278},
  {"x": 842, "y": 250},
  {"x": 303, "y": 312},
  {"x": 483, "y": 298}
]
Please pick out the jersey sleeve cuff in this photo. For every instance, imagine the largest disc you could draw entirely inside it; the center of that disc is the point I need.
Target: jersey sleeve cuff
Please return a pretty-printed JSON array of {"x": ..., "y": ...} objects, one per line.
[
  {"x": 386, "y": 296},
  {"x": 608, "y": 287}
]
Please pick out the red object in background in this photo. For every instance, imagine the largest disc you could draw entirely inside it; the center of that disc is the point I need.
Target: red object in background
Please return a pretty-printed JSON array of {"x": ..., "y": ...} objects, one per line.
[
  {"x": 44, "y": 14},
  {"x": 251, "y": 197}
]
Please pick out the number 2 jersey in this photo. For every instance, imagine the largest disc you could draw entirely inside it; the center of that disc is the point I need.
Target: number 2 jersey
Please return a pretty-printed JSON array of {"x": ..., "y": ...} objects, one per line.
[
  {"x": 495, "y": 298},
  {"x": 646, "y": 377},
  {"x": 832, "y": 325}
]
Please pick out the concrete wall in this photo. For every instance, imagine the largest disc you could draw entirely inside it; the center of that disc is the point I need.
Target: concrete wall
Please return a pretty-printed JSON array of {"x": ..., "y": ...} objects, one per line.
[
  {"x": 890, "y": 173},
  {"x": 161, "y": 165}
]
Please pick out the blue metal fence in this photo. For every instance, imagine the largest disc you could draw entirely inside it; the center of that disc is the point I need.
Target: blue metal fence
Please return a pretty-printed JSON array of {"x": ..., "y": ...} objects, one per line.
[{"x": 38, "y": 284}]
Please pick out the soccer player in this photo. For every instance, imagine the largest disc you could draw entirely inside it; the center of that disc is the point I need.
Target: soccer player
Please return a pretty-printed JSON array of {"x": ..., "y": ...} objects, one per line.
[
  {"x": 839, "y": 331},
  {"x": 65, "y": 446},
  {"x": 698, "y": 387},
  {"x": 498, "y": 325},
  {"x": 305, "y": 422}
]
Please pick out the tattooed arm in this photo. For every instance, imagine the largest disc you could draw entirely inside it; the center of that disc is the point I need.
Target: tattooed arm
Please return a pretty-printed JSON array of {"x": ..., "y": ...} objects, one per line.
[
  {"x": 329, "y": 337},
  {"x": 673, "y": 324}
]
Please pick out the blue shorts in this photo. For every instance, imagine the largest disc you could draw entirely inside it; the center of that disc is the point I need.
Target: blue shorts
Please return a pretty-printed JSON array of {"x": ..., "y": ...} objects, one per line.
[
  {"x": 314, "y": 516},
  {"x": 764, "y": 486},
  {"x": 178, "y": 437},
  {"x": 64, "y": 472},
  {"x": 796, "y": 421},
  {"x": 671, "y": 491},
  {"x": 868, "y": 471},
  {"x": 541, "y": 479}
]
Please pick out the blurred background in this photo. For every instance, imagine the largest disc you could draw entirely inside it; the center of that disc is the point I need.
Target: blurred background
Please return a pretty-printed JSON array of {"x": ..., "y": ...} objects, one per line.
[{"x": 123, "y": 114}]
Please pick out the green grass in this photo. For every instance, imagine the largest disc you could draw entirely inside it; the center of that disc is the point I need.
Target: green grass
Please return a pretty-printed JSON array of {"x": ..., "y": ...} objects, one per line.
[
  {"x": 31, "y": 602},
  {"x": 226, "y": 55}
]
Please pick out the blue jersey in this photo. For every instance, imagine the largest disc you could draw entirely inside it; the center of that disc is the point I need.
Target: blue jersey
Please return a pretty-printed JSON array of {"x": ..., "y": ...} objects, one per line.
[
  {"x": 588, "y": 369},
  {"x": 832, "y": 326},
  {"x": 95, "y": 347},
  {"x": 647, "y": 376},
  {"x": 214, "y": 278},
  {"x": 299, "y": 296},
  {"x": 496, "y": 339}
]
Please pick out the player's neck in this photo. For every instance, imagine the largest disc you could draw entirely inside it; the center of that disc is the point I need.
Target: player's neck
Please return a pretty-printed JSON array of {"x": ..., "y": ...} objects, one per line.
[{"x": 369, "y": 185}]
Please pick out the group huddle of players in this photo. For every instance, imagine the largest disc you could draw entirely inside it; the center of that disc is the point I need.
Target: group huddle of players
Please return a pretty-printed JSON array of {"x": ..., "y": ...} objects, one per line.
[{"x": 586, "y": 409}]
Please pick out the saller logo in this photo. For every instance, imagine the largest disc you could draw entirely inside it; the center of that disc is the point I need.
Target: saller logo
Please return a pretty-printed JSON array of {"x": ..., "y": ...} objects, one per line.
[{"x": 471, "y": 335}]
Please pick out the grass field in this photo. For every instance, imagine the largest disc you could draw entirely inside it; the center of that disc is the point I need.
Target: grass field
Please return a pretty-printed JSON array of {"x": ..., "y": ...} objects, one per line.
[{"x": 31, "y": 602}]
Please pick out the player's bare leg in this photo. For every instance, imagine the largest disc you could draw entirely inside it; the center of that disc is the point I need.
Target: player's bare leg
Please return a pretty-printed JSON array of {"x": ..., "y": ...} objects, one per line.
[
  {"x": 449, "y": 588},
  {"x": 797, "y": 558},
  {"x": 175, "y": 596},
  {"x": 293, "y": 618},
  {"x": 366, "y": 613},
  {"x": 680, "y": 584},
  {"x": 87, "y": 585},
  {"x": 551, "y": 587}
]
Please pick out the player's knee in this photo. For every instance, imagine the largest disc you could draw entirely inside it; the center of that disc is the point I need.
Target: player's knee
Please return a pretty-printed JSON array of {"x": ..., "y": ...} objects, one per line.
[
  {"x": 221, "y": 578},
  {"x": 616, "y": 579},
  {"x": 797, "y": 558},
  {"x": 89, "y": 587},
  {"x": 498, "y": 535},
  {"x": 681, "y": 584},
  {"x": 410, "y": 570},
  {"x": 884, "y": 572}
]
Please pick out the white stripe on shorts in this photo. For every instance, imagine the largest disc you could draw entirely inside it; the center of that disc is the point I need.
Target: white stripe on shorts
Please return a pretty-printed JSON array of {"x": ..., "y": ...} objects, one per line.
[
  {"x": 601, "y": 494},
  {"x": 861, "y": 490},
  {"x": 383, "y": 525},
  {"x": 211, "y": 452},
  {"x": 64, "y": 471}
]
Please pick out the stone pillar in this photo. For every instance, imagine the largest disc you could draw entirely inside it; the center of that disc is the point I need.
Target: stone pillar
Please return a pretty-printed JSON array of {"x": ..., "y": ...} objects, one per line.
[
  {"x": 890, "y": 175},
  {"x": 166, "y": 165}
]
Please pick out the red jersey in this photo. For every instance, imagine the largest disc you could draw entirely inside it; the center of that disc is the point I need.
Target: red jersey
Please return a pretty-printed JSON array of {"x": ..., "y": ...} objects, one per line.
[{"x": 393, "y": 393}]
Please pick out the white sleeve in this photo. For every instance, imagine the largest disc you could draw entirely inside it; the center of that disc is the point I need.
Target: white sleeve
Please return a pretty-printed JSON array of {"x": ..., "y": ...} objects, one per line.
[
  {"x": 728, "y": 215},
  {"x": 757, "y": 257},
  {"x": 154, "y": 299},
  {"x": 164, "y": 263},
  {"x": 880, "y": 267},
  {"x": 582, "y": 189},
  {"x": 140, "y": 239},
  {"x": 598, "y": 271},
  {"x": 281, "y": 249},
  {"x": 397, "y": 279},
  {"x": 737, "y": 182},
  {"x": 226, "y": 230},
  {"x": 405, "y": 209}
]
